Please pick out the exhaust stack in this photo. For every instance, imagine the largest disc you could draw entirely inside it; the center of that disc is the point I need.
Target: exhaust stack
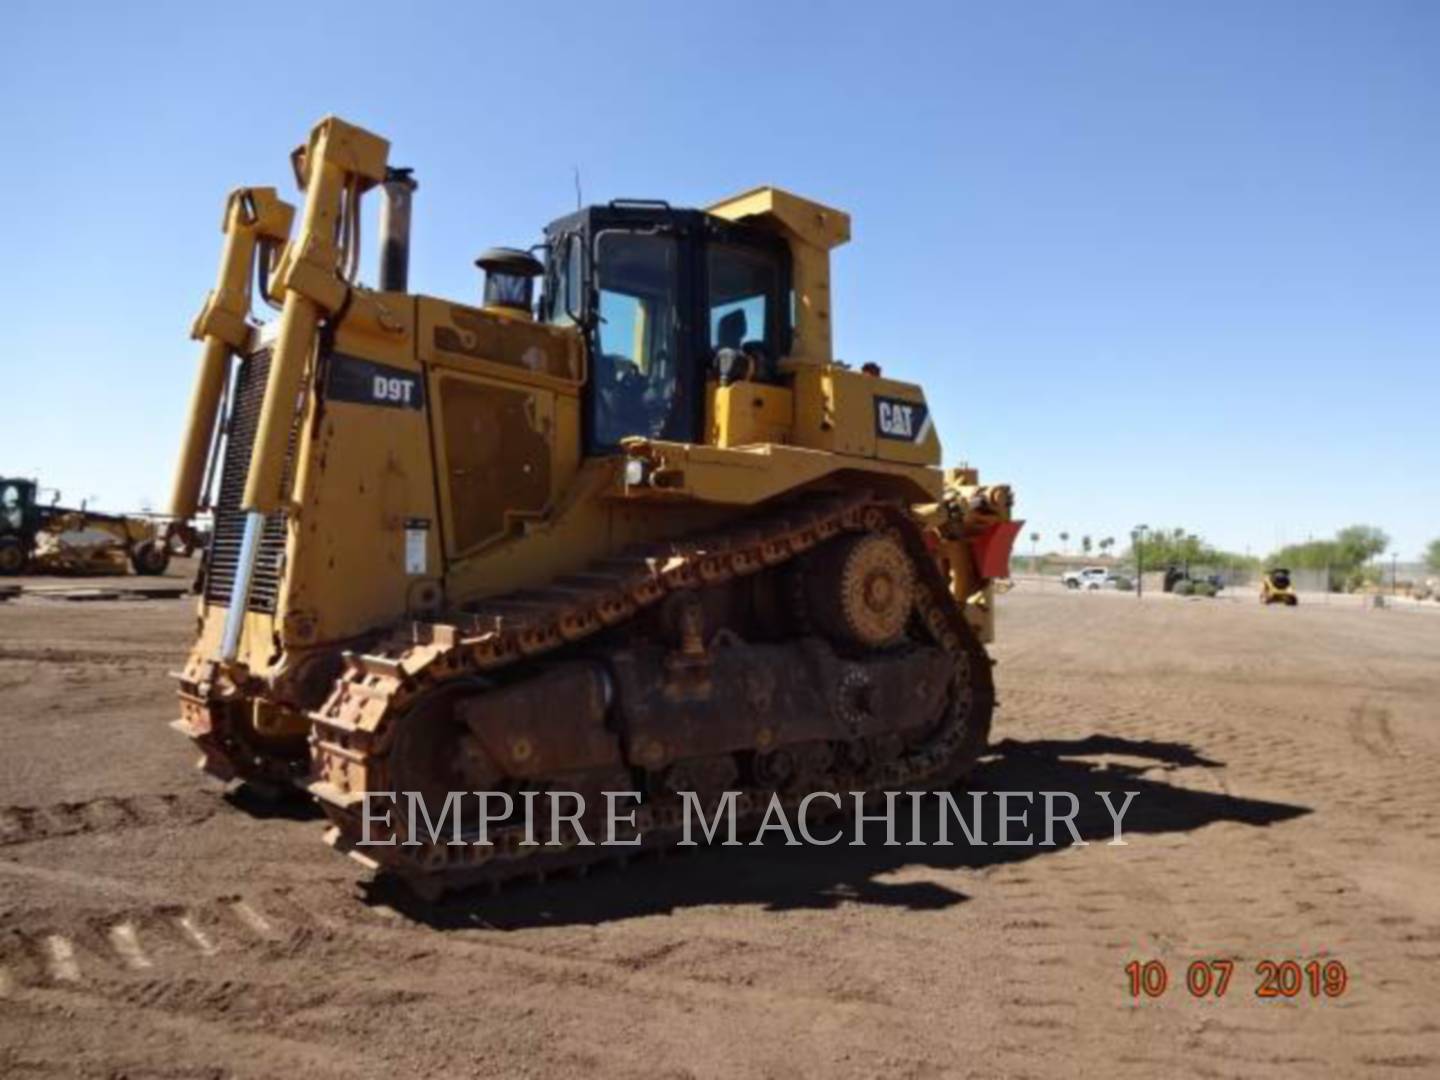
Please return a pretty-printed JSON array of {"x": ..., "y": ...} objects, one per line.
[{"x": 397, "y": 190}]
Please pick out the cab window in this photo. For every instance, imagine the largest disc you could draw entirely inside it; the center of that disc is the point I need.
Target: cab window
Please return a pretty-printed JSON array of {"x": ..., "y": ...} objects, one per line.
[
  {"x": 744, "y": 301},
  {"x": 638, "y": 389},
  {"x": 564, "y": 281},
  {"x": 12, "y": 514}
]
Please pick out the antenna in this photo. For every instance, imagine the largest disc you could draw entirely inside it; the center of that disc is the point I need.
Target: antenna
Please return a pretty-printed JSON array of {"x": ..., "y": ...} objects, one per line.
[{"x": 578, "y": 201}]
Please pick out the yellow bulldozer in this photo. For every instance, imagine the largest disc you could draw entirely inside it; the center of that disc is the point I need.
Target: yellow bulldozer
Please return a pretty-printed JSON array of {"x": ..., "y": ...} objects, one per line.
[
  {"x": 1277, "y": 588},
  {"x": 636, "y": 531}
]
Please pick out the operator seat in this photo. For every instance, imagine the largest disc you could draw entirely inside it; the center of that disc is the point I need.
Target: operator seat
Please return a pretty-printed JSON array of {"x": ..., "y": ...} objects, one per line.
[
  {"x": 735, "y": 358},
  {"x": 730, "y": 333},
  {"x": 732, "y": 359}
]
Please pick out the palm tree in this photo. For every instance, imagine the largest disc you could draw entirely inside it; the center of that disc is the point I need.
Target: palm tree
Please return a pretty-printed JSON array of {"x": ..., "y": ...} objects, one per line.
[
  {"x": 1087, "y": 544},
  {"x": 1034, "y": 540},
  {"x": 1064, "y": 539}
]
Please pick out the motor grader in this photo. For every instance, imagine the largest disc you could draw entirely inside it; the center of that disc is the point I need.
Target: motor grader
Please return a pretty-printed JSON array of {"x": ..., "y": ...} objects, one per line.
[
  {"x": 636, "y": 531},
  {"x": 47, "y": 538}
]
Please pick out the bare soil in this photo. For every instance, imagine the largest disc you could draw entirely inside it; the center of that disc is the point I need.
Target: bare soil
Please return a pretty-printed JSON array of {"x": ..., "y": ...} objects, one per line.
[{"x": 1288, "y": 765}]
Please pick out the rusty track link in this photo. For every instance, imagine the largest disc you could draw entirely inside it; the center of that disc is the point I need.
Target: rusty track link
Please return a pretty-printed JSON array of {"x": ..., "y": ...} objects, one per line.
[{"x": 353, "y": 732}]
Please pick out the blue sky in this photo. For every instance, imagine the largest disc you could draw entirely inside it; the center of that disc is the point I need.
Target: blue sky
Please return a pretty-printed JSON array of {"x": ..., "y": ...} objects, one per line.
[{"x": 1176, "y": 263}]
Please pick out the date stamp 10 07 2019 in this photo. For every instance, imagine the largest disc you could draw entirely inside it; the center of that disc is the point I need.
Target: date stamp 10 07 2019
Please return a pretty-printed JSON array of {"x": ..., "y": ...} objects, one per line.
[{"x": 1318, "y": 979}]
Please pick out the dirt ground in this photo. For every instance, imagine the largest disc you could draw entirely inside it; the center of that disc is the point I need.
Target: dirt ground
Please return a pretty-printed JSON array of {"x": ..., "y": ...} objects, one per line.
[{"x": 1288, "y": 765}]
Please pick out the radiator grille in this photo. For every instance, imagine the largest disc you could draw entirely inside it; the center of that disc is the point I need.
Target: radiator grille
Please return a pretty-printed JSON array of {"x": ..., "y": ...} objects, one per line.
[{"x": 229, "y": 529}]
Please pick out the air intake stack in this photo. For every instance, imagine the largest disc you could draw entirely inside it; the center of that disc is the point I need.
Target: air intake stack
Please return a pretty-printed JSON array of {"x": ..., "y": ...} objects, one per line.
[{"x": 510, "y": 280}]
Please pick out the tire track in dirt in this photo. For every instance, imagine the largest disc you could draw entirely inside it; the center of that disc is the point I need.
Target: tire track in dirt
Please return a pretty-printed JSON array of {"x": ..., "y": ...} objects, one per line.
[
  {"x": 104, "y": 814},
  {"x": 267, "y": 964},
  {"x": 97, "y": 948},
  {"x": 1369, "y": 727}
]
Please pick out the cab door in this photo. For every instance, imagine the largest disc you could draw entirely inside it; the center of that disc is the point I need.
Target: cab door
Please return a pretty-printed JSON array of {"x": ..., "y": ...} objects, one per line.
[{"x": 644, "y": 379}]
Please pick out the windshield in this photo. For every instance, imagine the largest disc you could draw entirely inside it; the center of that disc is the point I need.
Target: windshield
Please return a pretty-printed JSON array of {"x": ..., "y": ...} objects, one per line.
[{"x": 638, "y": 390}]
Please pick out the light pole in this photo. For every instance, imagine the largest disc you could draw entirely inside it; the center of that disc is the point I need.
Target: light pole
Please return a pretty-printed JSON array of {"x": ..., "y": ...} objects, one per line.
[{"x": 1137, "y": 540}]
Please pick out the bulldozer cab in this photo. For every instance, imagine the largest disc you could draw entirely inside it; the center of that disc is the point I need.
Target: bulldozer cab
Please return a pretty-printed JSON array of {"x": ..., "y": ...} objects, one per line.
[{"x": 666, "y": 300}]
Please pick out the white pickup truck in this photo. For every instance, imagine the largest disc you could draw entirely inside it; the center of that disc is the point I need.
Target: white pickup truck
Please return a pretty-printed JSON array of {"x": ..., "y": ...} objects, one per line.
[{"x": 1088, "y": 577}]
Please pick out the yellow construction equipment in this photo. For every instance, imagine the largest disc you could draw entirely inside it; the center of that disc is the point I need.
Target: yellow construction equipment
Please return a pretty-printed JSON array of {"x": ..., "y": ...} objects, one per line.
[
  {"x": 47, "y": 538},
  {"x": 644, "y": 532},
  {"x": 1277, "y": 588}
]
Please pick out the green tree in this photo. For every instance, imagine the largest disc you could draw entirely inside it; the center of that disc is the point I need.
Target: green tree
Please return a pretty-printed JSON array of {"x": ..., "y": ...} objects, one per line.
[
  {"x": 1432, "y": 556},
  {"x": 1359, "y": 544},
  {"x": 1086, "y": 544},
  {"x": 1178, "y": 547},
  {"x": 1345, "y": 557}
]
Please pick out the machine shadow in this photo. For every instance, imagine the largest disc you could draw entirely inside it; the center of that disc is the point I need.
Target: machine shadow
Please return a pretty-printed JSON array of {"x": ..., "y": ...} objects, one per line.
[
  {"x": 780, "y": 878},
  {"x": 269, "y": 804}
]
